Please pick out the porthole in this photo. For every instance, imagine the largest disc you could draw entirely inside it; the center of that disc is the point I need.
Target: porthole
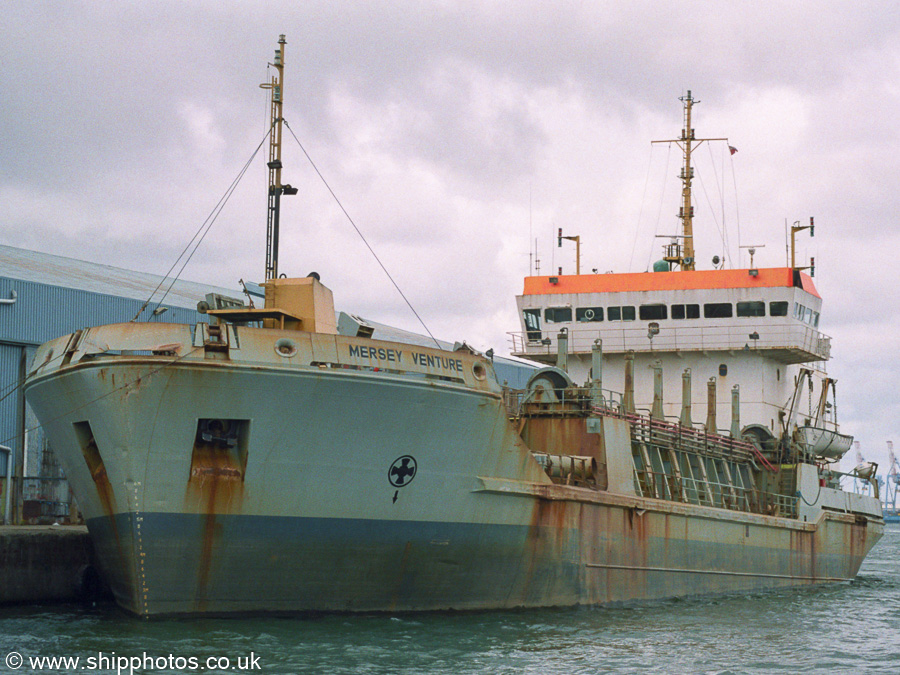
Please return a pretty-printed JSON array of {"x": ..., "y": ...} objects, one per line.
[
  {"x": 479, "y": 371},
  {"x": 723, "y": 370},
  {"x": 286, "y": 348}
]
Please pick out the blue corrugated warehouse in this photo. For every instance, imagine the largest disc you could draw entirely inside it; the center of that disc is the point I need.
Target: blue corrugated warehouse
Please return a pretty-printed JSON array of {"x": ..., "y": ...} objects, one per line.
[{"x": 44, "y": 296}]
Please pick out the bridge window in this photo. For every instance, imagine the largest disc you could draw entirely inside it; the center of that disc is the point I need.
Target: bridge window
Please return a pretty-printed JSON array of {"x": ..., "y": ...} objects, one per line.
[
  {"x": 653, "y": 312},
  {"x": 751, "y": 308},
  {"x": 718, "y": 310},
  {"x": 589, "y": 314},
  {"x": 533, "y": 323},
  {"x": 806, "y": 314},
  {"x": 625, "y": 313},
  {"x": 685, "y": 311},
  {"x": 558, "y": 314},
  {"x": 778, "y": 308}
]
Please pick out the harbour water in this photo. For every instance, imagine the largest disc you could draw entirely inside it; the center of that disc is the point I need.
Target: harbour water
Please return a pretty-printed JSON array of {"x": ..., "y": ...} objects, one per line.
[{"x": 841, "y": 628}]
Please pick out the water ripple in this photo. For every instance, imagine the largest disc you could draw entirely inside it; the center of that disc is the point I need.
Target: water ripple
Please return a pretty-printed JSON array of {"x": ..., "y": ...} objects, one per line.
[{"x": 839, "y": 628}]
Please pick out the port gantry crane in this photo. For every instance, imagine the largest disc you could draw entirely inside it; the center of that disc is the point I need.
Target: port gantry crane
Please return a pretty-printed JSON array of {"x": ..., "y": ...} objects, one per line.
[{"x": 892, "y": 481}]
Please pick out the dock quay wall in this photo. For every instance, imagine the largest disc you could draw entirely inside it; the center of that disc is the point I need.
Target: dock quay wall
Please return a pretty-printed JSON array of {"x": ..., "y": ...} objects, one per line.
[{"x": 46, "y": 564}]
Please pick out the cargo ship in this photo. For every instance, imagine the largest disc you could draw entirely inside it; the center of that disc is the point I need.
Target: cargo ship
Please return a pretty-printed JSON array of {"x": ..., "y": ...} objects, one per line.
[{"x": 283, "y": 459}]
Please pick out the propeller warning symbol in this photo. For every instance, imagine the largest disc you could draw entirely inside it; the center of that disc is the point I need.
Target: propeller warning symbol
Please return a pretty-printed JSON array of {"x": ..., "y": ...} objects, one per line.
[{"x": 402, "y": 471}]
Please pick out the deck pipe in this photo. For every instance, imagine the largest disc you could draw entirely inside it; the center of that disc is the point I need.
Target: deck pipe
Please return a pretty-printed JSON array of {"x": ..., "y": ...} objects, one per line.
[
  {"x": 628, "y": 397},
  {"x": 562, "y": 350},
  {"x": 736, "y": 411},
  {"x": 567, "y": 466},
  {"x": 597, "y": 373},
  {"x": 686, "y": 398},
  {"x": 711, "y": 406},
  {"x": 657, "y": 411}
]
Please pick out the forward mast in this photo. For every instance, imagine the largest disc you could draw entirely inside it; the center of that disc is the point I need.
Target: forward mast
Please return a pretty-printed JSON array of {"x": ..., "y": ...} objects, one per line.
[{"x": 276, "y": 189}]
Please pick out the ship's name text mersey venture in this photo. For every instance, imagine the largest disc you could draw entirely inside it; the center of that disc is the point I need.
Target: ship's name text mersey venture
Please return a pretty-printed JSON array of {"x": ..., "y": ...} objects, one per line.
[{"x": 396, "y": 356}]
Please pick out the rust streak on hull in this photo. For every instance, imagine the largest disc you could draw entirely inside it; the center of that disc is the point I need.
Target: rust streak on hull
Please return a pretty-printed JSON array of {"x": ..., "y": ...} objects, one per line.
[{"x": 215, "y": 487}]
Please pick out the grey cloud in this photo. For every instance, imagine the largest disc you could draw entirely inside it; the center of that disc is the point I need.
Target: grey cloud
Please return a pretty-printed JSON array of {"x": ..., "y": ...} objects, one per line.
[{"x": 438, "y": 122}]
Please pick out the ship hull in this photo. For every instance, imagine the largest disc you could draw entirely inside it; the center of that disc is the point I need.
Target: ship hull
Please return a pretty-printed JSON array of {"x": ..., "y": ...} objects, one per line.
[
  {"x": 285, "y": 565},
  {"x": 316, "y": 518}
]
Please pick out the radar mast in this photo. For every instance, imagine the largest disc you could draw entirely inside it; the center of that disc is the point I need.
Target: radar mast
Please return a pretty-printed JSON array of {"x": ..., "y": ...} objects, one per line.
[{"x": 682, "y": 254}]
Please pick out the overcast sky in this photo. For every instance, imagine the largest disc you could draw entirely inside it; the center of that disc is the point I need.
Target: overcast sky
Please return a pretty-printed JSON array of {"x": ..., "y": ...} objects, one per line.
[{"x": 458, "y": 133}]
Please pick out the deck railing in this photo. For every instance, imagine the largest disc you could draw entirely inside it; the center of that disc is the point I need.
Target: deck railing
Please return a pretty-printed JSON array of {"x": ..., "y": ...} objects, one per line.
[
  {"x": 669, "y": 487},
  {"x": 645, "y": 429},
  {"x": 610, "y": 402},
  {"x": 802, "y": 339}
]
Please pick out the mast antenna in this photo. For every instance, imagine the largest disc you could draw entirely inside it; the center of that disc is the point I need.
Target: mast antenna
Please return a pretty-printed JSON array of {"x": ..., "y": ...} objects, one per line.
[
  {"x": 577, "y": 240},
  {"x": 276, "y": 189},
  {"x": 795, "y": 228},
  {"x": 678, "y": 253}
]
